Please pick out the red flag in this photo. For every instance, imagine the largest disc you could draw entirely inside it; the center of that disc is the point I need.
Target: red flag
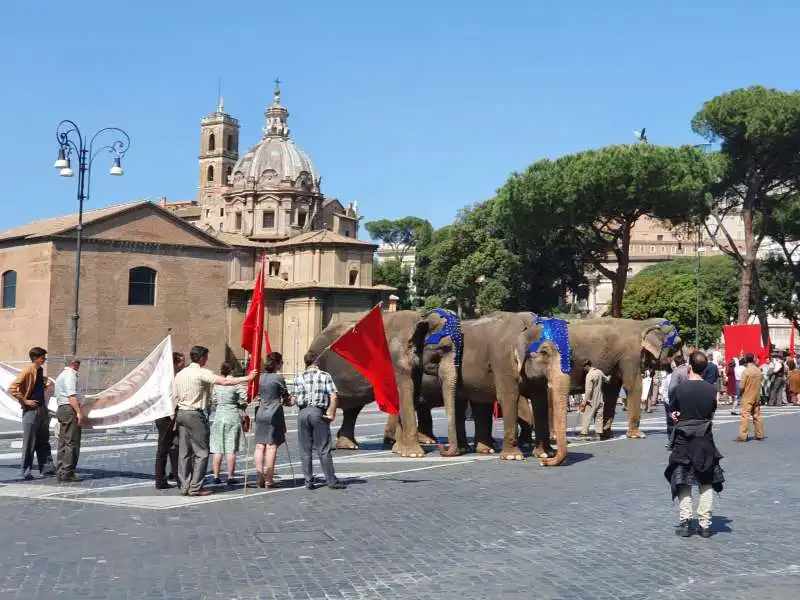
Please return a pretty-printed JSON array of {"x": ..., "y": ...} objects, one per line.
[
  {"x": 267, "y": 345},
  {"x": 365, "y": 346},
  {"x": 791, "y": 341},
  {"x": 253, "y": 329}
]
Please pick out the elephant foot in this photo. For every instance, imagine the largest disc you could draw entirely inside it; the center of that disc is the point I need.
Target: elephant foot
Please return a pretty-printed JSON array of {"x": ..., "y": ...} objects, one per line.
[
  {"x": 345, "y": 443},
  {"x": 635, "y": 434},
  {"x": 543, "y": 452},
  {"x": 511, "y": 454},
  {"x": 449, "y": 451},
  {"x": 424, "y": 438},
  {"x": 482, "y": 448},
  {"x": 405, "y": 450}
]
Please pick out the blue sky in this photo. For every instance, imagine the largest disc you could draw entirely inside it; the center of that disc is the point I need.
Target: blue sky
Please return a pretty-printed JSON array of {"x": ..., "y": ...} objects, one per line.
[{"x": 410, "y": 108}]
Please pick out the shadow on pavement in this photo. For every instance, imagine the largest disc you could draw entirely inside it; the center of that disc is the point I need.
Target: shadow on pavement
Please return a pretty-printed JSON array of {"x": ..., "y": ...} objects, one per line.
[{"x": 721, "y": 524}]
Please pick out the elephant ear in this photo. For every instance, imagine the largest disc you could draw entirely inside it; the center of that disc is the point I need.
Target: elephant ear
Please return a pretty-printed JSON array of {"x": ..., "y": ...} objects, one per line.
[
  {"x": 654, "y": 338},
  {"x": 523, "y": 342}
]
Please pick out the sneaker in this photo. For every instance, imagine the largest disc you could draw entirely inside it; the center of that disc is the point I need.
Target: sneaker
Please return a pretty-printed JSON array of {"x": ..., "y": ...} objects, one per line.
[
  {"x": 231, "y": 481},
  {"x": 48, "y": 469},
  {"x": 705, "y": 532},
  {"x": 310, "y": 485},
  {"x": 201, "y": 493},
  {"x": 684, "y": 528},
  {"x": 27, "y": 475},
  {"x": 163, "y": 485}
]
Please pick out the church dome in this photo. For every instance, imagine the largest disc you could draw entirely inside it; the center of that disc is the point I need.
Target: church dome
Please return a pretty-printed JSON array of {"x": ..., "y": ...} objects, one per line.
[{"x": 276, "y": 161}]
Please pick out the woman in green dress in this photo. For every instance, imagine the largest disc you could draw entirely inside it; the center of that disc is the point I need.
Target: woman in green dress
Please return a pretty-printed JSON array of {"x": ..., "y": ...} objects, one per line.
[{"x": 226, "y": 431}]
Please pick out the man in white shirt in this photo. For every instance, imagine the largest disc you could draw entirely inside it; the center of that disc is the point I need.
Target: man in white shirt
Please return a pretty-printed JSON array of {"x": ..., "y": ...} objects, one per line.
[
  {"x": 193, "y": 387},
  {"x": 70, "y": 419}
]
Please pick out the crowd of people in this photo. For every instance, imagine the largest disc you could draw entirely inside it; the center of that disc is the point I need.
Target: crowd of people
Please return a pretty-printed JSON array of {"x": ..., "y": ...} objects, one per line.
[{"x": 189, "y": 437}]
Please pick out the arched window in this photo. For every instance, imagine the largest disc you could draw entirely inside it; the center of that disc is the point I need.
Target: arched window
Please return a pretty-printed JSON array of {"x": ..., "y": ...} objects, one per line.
[
  {"x": 228, "y": 174},
  {"x": 212, "y": 142},
  {"x": 230, "y": 143},
  {"x": 210, "y": 174},
  {"x": 142, "y": 287},
  {"x": 353, "y": 276},
  {"x": 9, "y": 291}
]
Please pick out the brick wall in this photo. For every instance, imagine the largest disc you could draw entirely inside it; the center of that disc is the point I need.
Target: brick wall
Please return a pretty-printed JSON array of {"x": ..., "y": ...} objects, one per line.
[
  {"x": 191, "y": 294},
  {"x": 27, "y": 324}
]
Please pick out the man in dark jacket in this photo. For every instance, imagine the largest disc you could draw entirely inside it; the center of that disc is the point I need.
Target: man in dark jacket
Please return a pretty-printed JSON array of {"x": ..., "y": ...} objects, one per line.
[{"x": 694, "y": 460}]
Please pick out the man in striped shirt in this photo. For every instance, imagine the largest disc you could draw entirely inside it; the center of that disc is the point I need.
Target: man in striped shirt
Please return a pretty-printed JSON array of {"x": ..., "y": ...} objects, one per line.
[
  {"x": 315, "y": 395},
  {"x": 193, "y": 387}
]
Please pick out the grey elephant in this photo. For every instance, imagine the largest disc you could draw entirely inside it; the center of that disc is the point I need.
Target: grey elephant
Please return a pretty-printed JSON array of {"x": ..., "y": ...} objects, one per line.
[
  {"x": 621, "y": 348},
  {"x": 490, "y": 373},
  {"x": 406, "y": 333}
]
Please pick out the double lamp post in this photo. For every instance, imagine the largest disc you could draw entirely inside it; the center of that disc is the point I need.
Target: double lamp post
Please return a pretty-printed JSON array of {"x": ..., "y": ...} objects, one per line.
[{"x": 71, "y": 141}]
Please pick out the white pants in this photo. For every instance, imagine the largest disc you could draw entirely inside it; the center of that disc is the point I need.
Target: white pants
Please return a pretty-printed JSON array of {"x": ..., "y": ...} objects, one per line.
[{"x": 704, "y": 504}]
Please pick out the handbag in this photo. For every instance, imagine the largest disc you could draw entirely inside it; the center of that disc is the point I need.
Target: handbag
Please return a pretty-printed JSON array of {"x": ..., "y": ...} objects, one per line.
[{"x": 245, "y": 422}]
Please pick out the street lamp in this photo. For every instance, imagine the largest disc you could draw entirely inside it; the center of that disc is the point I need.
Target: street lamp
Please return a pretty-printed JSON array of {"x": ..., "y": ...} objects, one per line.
[{"x": 70, "y": 140}]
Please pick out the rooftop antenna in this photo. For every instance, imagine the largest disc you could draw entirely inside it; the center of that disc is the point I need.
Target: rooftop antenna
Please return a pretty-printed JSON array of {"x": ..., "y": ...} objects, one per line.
[{"x": 641, "y": 135}]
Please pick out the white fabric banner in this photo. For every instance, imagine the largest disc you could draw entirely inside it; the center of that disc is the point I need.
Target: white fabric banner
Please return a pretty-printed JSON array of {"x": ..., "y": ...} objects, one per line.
[{"x": 143, "y": 395}]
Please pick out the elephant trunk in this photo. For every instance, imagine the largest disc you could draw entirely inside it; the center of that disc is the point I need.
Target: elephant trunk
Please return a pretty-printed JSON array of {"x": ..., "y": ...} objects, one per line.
[
  {"x": 448, "y": 374},
  {"x": 558, "y": 391}
]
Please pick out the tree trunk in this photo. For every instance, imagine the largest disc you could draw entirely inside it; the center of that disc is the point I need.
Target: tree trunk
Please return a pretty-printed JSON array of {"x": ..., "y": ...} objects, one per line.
[
  {"x": 620, "y": 279},
  {"x": 746, "y": 270},
  {"x": 761, "y": 312}
]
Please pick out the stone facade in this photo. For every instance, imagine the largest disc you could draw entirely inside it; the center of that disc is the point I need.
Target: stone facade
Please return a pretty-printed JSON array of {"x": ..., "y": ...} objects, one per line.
[{"x": 191, "y": 275}]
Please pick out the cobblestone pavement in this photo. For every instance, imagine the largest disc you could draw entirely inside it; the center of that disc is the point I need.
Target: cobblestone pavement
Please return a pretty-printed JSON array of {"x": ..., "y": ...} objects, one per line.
[{"x": 465, "y": 528}]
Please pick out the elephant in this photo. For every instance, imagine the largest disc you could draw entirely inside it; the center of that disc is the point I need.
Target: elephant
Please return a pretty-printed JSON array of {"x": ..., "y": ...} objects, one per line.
[
  {"x": 406, "y": 332},
  {"x": 621, "y": 348},
  {"x": 489, "y": 373}
]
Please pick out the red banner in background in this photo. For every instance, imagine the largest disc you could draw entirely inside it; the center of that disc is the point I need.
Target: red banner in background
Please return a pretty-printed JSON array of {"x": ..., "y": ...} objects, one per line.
[
  {"x": 364, "y": 346},
  {"x": 742, "y": 340}
]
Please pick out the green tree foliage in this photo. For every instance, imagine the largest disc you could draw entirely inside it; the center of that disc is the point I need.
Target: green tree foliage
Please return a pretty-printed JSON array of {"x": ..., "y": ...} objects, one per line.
[
  {"x": 401, "y": 235},
  {"x": 759, "y": 133},
  {"x": 472, "y": 265},
  {"x": 585, "y": 205},
  {"x": 778, "y": 286},
  {"x": 669, "y": 290},
  {"x": 395, "y": 274}
]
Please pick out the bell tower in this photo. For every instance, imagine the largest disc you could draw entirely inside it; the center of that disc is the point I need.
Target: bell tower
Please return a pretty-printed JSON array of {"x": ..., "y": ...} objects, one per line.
[{"x": 219, "y": 151}]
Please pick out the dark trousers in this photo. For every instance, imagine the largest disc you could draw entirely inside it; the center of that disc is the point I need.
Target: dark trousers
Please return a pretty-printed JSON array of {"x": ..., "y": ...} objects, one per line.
[
  {"x": 69, "y": 441},
  {"x": 313, "y": 432},
  {"x": 35, "y": 437},
  {"x": 193, "y": 436},
  {"x": 167, "y": 447}
]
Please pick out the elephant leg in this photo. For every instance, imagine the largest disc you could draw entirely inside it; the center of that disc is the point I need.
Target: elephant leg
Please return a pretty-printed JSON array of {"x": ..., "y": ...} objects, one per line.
[
  {"x": 461, "y": 428},
  {"x": 424, "y": 424},
  {"x": 541, "y": 420},
  {"x": 346, "y": 436},
  {"x": 525, "y": 422},
  {"x": 406, "y": 443},
  {"x": 509, "y": 400},
  {"x": 550, "y": 423},
  {"x": 390, "y": 430},
  {"x": 633, "y": 388},
  {"x": 483, "y": 420},
  {"x": 610, "y": 397}
]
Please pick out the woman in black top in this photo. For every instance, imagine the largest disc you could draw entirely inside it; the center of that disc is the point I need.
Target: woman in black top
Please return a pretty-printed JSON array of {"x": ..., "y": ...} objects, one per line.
[{"x": 270, "y": 429}]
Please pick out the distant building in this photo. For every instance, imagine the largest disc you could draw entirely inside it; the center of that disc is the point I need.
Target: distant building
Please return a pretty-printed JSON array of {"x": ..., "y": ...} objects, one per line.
[
  {"x": 386, "y": 253},
  {"x": 196, "y": 260}
]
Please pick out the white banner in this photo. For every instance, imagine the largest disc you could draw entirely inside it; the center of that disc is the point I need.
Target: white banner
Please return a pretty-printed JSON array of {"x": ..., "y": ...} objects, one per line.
[{"x": 143, "y": 395}]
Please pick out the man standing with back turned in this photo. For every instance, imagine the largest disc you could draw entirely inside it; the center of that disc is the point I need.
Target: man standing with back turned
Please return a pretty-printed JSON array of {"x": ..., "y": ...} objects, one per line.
[
  {"x": 592, "y": 405},
  {"x": 694, "y": 460},
  {"x": 193, "y": 386},
  {"x": 315, "y": 395}
]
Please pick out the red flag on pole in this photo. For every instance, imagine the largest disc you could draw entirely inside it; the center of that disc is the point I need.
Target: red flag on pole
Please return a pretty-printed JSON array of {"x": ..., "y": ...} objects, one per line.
[
  {"x": 253, "y": 329},
  {"x": 791, "y": 341},
  {"x": 365, "y": 346}
]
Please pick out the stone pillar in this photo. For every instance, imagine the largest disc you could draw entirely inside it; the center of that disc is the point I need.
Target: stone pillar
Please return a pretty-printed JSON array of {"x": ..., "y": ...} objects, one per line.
[{"x": 392, "y": 303}]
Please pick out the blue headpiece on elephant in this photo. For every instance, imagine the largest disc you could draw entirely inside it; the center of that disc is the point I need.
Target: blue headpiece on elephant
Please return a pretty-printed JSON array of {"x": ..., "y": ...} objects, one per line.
[
  {"x": 452, "y": 328},
  {"x": 556, "y": 331},
  {"x": 661, "y": 339}
]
